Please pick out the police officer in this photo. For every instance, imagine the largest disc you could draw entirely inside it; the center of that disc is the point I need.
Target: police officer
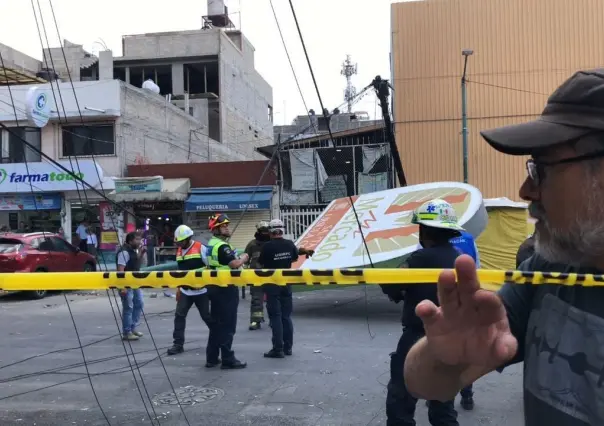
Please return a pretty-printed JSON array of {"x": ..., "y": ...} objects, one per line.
[
  {"x": 280, "y": 253},
  {"x": 253, "y": 250},
  {"x": 224, "y": 300},
  {"x": 464, "y": 243},
  {"x": 437, "y": 222},
  {"x": 189, "y": 256}
]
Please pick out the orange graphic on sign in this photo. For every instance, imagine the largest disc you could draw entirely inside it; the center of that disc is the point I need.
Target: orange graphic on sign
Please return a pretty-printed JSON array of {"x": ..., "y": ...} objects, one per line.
[
  {"x": 412, "y": 205},
  {"x": 326, "y": 223},
  {"x": 405, "y": 235}
]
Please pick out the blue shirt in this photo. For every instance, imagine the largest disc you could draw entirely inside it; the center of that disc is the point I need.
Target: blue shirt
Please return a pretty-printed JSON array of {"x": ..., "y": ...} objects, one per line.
[{"x": 465, "y": 244}]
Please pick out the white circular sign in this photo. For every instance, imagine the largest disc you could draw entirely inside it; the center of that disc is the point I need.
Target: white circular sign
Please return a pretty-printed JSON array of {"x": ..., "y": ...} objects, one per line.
[
  {"x": 386, "y": 222},
  {"x": 38, "y": 103}
]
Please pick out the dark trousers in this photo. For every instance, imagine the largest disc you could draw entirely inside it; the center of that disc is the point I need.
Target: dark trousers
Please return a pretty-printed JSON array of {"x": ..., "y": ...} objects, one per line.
[
  {"x": 184, "y": 304},
  {"x": 83, "y": 245},
  {"x": 400, "y": 405},
  {"x": 279, "y": 307},
  {"x": 224, "y": 302},
  {"x": 257, "y": 304},
  {"x": 467, "y": 392}
]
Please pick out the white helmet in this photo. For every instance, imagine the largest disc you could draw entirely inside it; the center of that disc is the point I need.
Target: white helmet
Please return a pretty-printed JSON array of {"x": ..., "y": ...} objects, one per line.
[
  {"x": 263, "y": 225},
  {"x": 276, "y": 225},
  {"x": 182, "y": 233},
  {"x": 437, "y": 213}
]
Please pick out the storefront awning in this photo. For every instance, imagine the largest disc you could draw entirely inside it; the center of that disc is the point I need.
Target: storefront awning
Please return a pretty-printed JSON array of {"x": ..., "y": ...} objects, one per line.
[
  {"x": 230, "y": 198},
  {"x": 171, "y": 190}
]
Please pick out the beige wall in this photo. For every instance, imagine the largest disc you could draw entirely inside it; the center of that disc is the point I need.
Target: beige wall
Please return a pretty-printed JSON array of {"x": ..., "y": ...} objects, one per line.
[{"x": 523, "y": 49}]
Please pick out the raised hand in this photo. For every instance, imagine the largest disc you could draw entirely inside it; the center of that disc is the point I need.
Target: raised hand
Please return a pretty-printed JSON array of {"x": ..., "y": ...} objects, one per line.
[{"x": 470, "y": 327}]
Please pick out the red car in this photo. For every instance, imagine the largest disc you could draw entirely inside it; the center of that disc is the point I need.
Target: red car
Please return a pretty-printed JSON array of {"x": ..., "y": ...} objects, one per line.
[{"x": 42, "y": 252}]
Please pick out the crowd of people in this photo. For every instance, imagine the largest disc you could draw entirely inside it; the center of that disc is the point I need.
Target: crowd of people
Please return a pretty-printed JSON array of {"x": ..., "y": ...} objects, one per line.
[{"x": 217, "y": 305}]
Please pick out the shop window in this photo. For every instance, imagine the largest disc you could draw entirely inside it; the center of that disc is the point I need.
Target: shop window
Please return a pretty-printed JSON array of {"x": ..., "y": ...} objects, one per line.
[
  {"x": 88, "y": 140},
  {"x": 14, "y": 150}
]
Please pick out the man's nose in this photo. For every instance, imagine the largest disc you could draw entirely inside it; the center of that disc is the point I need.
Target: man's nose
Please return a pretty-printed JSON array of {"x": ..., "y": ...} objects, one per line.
[{"x": 529, "y": 191}]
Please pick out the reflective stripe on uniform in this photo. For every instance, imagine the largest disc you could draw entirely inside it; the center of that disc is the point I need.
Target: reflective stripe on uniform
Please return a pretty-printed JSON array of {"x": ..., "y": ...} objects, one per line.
[
  {"x": 194, "y": 252},
  {"x": 214, "y": 245}
]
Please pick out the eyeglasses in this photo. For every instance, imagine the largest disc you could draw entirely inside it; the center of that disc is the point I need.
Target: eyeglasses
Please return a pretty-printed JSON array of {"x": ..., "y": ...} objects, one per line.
[{"x": 536, "y": 169}]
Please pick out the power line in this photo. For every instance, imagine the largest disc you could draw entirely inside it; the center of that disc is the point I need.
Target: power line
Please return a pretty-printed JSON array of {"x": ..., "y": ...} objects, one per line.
[
  {"x": 291, "y": 65},
  {"x": 327, "y": 118},
  {"x": 112, "y": 219},
  {"x": 79, "y": 196},
  {"x": 506, "y": 88}
]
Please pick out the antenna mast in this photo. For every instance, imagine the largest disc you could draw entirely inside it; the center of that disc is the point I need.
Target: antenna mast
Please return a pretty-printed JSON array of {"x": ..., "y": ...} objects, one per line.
[{"x": 348, "y": 70}]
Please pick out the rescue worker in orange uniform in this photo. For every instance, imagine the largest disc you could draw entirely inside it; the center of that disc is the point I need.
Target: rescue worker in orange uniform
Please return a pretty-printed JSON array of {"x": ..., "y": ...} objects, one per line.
[{"x": 190, "y": 256}]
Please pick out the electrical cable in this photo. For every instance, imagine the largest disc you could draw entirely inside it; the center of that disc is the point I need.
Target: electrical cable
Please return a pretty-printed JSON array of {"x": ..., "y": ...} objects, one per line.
[
  {"x": 95, "y": 342},
  {"x": 114, "y": 227},
  {"x": 103, "y": 191},
  {"x": 63, "y": 368},
  {"x": 292, "y": 66},
  {"x": 161, "y": 361},
  {"x": 52, "y": 62},
  {"x": 85, "y": 194},
  {"x": 69, "y": 308},
  {"x": 506, "y": 88},
  {"x": 117, "y": 324},
  {"x": 71, "y": 381},
  {"x": 36, "y": 208},
  {"x": 327, "y": 119}
]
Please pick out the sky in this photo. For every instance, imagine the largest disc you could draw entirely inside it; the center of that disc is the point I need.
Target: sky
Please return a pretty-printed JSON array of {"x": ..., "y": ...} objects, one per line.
[{"x": 332, "y": 29}]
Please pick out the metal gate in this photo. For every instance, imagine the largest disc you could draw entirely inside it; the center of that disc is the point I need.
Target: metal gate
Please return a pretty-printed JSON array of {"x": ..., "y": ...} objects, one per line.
[{"x": 297, "y": 220}]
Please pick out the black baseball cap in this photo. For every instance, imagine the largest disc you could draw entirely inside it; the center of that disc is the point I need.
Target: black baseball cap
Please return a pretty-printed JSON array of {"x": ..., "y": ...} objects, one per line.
[{"x": 574, "y": 110}]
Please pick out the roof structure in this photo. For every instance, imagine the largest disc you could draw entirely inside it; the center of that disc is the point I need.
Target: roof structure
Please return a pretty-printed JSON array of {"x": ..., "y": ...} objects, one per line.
[{"x": 12, "y": 76}]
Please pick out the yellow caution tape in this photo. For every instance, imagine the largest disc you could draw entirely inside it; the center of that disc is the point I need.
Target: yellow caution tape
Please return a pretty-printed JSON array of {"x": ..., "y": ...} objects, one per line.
[{"x": 490, "y": 279}]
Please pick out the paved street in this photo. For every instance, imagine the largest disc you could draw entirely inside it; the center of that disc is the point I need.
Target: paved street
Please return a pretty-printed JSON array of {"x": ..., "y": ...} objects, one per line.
[{"x": 337, "y": 375}]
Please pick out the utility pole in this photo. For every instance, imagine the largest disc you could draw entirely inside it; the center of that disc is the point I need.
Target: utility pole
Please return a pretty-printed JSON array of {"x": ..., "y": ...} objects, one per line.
[
  {"x": 466, "y": 53},
  {"x": 382, "y": 90},
  {"x": 348, "y": 70}
]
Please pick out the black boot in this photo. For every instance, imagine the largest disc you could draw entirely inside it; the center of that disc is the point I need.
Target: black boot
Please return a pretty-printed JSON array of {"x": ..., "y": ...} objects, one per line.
[
  {"x": 287, "y": 352},
  {"x": 212, "y": 364},
  {"x": 234, "y": 364},
  {"x": 467, "y": 403},
  {"x": 274, "y": 353},
  {"x": 175, "y": 349}
]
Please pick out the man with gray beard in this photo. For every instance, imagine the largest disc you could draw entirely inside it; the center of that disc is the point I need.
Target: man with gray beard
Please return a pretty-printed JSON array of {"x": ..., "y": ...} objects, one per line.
[{"x": 558, "y": 331}]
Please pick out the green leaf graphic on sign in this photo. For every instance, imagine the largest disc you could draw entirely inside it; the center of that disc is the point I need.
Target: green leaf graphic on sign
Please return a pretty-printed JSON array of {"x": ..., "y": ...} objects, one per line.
[{"x": 3, "y": 176}]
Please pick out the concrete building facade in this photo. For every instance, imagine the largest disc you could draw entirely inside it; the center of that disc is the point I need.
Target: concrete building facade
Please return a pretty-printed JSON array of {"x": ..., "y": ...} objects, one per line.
[
  {"x": 210, "y": 74},
  {"x": 523, "y": 49},
  {"x": 304, "y": 126},
  {"x": 140, "y": 126}
]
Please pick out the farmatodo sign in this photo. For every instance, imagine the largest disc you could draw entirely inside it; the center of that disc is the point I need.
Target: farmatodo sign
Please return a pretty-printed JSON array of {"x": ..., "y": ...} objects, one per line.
[{"x": 46, "y": 177}]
